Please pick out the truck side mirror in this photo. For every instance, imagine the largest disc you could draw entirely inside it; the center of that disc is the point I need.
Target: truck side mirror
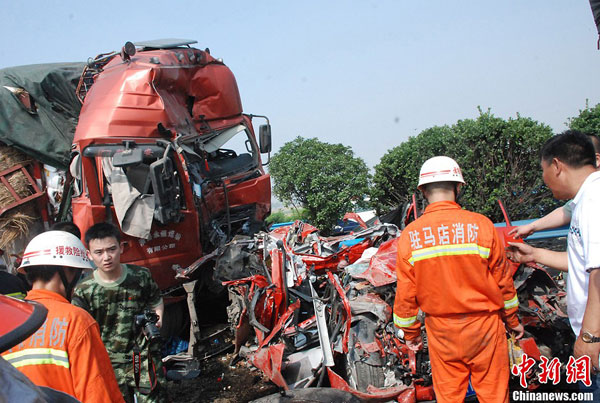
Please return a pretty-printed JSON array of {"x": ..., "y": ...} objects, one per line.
[
  {"x": 264, "y": 136},
  {"x": 128, "y": 51}
]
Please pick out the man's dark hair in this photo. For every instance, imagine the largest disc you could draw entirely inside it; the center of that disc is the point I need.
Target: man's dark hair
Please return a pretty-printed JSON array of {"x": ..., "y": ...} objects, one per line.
[
  {"x": 570, "y": 147},
  {"x": 43, "y": 273},
  {"x": 100, "y": 231},
  {"x": 440, "y": 185},
  {"x": 67, "y": 226},
  {"x": 595, "y": 141}
]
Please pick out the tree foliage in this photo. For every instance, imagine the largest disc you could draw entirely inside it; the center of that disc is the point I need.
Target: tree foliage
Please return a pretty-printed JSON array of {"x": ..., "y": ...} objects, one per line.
[
  {"x": 499, "y": 160},
  {"x": 280, "y": 216},
  {"x": 326, "y": 179},
  {"x": 588, "y": 120},
  {"x": 398, "y": 171}
]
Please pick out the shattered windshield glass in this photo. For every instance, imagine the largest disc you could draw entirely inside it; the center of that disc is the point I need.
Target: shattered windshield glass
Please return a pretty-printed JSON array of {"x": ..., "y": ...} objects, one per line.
[
  {"x": 234, "y": 134},
  {"x": 227, "y": 153}
]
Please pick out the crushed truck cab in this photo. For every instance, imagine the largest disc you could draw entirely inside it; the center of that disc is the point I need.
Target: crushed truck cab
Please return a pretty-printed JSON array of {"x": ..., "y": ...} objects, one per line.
[
  {"x": 152, "y": 138},
  {"x": 163, "y": 147}
]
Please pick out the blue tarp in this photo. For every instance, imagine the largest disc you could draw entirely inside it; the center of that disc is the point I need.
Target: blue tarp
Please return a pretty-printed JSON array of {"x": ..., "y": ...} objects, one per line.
[{"x": 546, "y": 234}]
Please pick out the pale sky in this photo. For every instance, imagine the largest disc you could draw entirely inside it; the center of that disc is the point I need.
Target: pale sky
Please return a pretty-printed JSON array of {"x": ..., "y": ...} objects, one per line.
[{"x": 367, "y": 74}]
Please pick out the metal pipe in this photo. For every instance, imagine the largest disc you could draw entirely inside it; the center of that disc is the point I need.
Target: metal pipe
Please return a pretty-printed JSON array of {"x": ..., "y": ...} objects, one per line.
[{"x": 324, "y": 340}]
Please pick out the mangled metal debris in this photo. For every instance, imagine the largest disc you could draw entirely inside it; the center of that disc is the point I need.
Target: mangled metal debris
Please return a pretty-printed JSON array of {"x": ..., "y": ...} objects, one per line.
[{"x": 311, "y": 311}]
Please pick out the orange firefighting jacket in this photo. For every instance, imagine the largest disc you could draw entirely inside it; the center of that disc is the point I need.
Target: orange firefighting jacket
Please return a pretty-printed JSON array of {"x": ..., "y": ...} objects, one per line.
[
  {"x": 66, "y": 353},
  {"x": 451, "y": 261}
]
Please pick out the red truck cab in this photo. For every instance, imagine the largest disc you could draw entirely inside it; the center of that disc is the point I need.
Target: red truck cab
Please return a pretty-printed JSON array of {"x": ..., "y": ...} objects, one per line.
[{"x": 163, "y": 150}]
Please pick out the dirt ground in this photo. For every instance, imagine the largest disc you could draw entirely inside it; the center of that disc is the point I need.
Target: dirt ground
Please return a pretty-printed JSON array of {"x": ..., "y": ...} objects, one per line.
[{"x": 220, "y": 383}]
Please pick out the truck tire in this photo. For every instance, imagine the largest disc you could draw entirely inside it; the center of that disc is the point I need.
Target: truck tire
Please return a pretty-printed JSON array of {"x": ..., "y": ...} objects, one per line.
[
  {"x": 361, "y": 375},
  {"x": 175, "y": 321}
]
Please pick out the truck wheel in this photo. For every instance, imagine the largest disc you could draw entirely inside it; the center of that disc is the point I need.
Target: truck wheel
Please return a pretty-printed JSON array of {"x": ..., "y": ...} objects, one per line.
[
  {"x": 361, "y": 375},
  {"x": 175, "y": 321}
]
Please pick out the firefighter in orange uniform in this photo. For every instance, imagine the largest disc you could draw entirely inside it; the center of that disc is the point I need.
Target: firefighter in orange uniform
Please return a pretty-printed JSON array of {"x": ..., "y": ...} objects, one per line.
[
  {"x": 66, "y": 353},
  {"x": 452, "y": 266}
]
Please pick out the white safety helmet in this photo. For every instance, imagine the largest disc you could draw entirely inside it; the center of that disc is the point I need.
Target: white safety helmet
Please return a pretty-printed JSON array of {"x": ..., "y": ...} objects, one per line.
[
  {"x": 55, "y": 248},
  {"x": 440, "y": 169}
]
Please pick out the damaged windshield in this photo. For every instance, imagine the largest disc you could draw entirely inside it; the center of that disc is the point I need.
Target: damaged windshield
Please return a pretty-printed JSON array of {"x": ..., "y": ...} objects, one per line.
[
  {"x": 141, "y": 182},
  {"x": 224, "y": 154}
]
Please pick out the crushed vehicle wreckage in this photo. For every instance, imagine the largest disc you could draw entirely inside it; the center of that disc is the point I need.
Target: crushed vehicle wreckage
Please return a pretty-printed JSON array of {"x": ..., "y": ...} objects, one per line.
[
  {"x": 153, "y": 138},
  {"x": 312, "y": 311}
]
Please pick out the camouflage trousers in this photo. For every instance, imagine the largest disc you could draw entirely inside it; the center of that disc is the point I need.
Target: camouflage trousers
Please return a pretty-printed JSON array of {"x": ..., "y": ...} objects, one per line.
[{"x": 126, "y": 380}]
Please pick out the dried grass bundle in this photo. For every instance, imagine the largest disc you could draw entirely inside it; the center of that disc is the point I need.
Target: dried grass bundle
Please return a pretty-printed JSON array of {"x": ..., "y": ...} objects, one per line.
[{"x": 15, "y": 223}]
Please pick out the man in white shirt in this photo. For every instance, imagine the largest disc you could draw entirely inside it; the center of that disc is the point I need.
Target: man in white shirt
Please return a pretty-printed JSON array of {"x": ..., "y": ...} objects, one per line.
[
  {"x": 560, "y": 216},
  {"x": 569, "y": 170}
]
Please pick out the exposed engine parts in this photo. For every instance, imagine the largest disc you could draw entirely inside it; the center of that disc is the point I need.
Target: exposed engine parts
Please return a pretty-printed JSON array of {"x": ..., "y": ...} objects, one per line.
[{"x": 311, "y": 311}]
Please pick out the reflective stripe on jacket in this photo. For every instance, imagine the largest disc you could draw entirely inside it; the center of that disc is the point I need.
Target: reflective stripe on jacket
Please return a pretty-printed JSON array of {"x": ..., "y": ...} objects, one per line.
[
  {"x": 38, "y": 356},
  {"x": 66, "y": 353},
  {"x": 451, "y": 261}
]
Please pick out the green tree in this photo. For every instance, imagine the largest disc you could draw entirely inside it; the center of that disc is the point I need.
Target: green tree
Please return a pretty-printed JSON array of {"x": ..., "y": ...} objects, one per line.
[
  {"x": 587, "y": 121},
  {"x": 499, "y": 159},
  {"x": 397, "y": 173},
  {"x": 282, "y": 216},
  {"x": 326, "y": 179}
]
